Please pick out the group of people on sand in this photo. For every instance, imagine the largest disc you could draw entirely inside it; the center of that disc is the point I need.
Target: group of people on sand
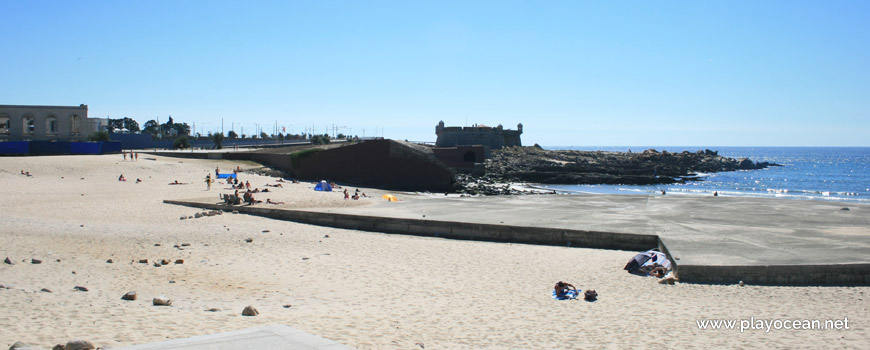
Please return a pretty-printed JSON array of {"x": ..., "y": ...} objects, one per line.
[
  {"x": 356, "y": 196},
  {"x": 122, "y": 178},
  {"x": 26, "y": 173},
  {"x": 133, "y": 156}
]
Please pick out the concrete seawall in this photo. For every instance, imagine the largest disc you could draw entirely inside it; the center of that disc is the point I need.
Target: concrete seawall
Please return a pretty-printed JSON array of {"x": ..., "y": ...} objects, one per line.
[
  {"x": 689, "y": 269},
  {"x": 449, "y": 229}
]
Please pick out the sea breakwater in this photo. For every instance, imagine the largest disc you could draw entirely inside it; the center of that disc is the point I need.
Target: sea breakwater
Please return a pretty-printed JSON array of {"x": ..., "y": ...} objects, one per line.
[{"x": 650, "y": 167}]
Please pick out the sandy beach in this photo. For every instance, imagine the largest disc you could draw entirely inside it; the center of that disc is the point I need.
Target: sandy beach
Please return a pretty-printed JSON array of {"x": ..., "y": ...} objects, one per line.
[{"x": 363, "y": 289}]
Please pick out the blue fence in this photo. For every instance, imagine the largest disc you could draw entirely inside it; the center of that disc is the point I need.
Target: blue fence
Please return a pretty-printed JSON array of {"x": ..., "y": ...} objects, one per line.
[{"x": 44, "y": 148}]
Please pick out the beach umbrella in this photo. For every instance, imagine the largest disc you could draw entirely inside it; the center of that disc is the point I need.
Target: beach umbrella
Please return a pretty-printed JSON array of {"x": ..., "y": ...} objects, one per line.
[
  {"x": 636, "y": 262},
  {"x": 390, "y": 198}
]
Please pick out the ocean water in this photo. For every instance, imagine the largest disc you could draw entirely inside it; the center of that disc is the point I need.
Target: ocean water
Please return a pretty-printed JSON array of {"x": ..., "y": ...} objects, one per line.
[{"x": 812, "y": 173}]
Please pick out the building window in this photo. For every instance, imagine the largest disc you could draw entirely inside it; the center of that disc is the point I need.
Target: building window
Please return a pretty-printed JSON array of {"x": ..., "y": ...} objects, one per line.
[
  {"x": 74, "y": 124},
  {"x": 51, "y": 125},
  {"x": 29, "y": 125},
  {"x": 4, "y": 124}
]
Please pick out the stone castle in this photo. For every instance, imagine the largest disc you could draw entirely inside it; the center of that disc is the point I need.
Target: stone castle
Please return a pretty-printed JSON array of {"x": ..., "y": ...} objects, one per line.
[{"x": 494, "y": 138}]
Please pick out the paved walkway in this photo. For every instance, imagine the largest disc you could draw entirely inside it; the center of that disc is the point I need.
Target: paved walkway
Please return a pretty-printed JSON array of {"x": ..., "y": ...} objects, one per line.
[
  {"x": 273, "y": 337},
  {"x": 697, "y": 230},
  {"x": 710, "y": 239}
]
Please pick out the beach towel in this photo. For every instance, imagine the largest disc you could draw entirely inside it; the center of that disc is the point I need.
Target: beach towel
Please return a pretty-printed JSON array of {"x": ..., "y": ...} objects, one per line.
[
  {"x": 224, "y": 176},
  {"x": 571, "y": 294}
]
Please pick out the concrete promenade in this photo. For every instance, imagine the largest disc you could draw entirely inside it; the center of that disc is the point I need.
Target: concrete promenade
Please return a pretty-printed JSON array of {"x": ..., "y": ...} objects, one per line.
[{"x": 709, "y": 239}]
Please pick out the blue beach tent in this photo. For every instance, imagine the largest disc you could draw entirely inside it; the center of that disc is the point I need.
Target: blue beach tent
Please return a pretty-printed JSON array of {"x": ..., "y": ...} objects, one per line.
[
  {"x": 228, "y": 175},
  {"x": 323, "y": 186}
]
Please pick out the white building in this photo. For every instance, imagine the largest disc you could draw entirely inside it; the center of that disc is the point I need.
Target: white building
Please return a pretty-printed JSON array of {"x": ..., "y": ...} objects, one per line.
[{"x": 48, "y": 123}]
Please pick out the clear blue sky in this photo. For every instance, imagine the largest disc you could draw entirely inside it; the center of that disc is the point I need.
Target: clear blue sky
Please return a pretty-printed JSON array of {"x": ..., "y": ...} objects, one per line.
[{"x": 726, "y": 73}]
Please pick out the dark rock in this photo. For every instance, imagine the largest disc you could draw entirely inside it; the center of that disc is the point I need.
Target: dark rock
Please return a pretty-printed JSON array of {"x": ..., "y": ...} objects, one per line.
[
  {"x": 249, "y": 240},
  {"x": 80, "y": 288},
  {"x": 844, "y": 209},
  {"x": 165, "y": 262},
  {"x": 250, "y": 311},
  {"x": 80, "y": 345},
  {"x": 59, "y": 347},
  {"x": 287, "y": 306},
  {"x": 143, "y": 261},
  {"x": 214, "y": 309},
  {"x": 46, "y": 290},
  {"x": 179, "y": 261},
  {"x": 531, "y": 165},
  {"x": 35, "y": 261},
  {"x": 8, "y": 261},
  {"x": 156, "y": 244},
  {"x": 110, "y": 261},
  {"x": 185, "y": 244},
  {"x": 129, "y": 296}
]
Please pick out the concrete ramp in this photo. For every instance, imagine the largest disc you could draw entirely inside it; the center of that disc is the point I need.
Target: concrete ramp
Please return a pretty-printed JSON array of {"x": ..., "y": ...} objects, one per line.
[{"x": 276, "y": 337}]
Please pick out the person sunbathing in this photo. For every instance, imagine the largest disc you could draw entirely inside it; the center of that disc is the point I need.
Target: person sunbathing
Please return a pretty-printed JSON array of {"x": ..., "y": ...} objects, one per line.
[
  {"x": 277, "y": 185},
  {"x": 562, "y": 289},
  {"x": 121, "y": 178},
  {"x": 138, "y": 180},
  {"x": 249, "y": 198},
  {"x": 658, "y": 271},
  {"x": 269, "y": 200},
  {"x": 178, "y": 183}
]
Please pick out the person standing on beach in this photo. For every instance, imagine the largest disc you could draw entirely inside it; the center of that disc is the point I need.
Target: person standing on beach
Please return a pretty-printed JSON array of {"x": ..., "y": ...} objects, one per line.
[
  {"x": 125, "y": 155},
  {"x": 208, "y": 182},
  {"x": 137, "y": 156}
]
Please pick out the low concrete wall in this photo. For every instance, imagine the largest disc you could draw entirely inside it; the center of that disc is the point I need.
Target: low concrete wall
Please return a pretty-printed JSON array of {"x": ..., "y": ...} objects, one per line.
[
  {"x": 450, "y": 229},
  {"x": 834, "y": 274},
  {"x": 792, "y": 275}
]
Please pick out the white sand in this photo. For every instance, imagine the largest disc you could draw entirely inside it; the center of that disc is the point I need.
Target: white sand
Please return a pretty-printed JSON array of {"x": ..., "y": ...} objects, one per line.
[{"x": 366, "y": 290}]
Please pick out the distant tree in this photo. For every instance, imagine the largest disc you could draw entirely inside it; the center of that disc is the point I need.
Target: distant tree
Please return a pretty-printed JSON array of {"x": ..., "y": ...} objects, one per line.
[
  {"x": 182, "y": 128},
  {"x": 320, "y": 139},
  {"x": 181, "y": 143},
  {"x": 151, "y": 127},
  {"x": 124, "y": 123},
  {"x": 264, "y": 135},
  {"x": 99, "y": 136},
  {"x": 232, "y": 135},
  {"x": 340, "y": 136},
  {"x": 280, "y": 136},
  {"x": 165, "y": 127},
  {"x": 218, "y": 140},
  {"x": 243, "y": 135}
]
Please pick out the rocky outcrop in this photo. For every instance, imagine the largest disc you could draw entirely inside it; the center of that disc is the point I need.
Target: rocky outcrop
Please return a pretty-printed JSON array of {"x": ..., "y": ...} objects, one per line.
[{"x": 536, "y": 165}]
